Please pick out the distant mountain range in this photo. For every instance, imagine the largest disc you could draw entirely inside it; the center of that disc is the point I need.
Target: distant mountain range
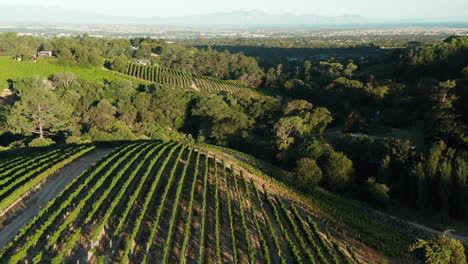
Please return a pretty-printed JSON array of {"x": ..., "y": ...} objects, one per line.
[
  {"x": 258, "y": 18},
  {"x": 27, "y": 14}
]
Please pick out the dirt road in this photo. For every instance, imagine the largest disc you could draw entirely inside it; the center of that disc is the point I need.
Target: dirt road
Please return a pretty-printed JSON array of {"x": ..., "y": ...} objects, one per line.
[{"x": 54, "y": 185}]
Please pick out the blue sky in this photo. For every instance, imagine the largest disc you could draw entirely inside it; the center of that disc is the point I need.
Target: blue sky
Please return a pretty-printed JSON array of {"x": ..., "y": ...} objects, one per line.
[{"x": 382, "y": 10}]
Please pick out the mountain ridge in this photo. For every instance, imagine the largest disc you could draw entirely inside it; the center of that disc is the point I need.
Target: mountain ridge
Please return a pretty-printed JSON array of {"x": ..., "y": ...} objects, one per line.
[{"x": 19, "y": 14}]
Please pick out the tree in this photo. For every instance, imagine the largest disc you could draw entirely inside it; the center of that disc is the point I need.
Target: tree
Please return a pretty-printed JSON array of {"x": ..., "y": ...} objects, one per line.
[
  {"x": 420, "y": 174},
  {"x": 65, "y": 57},
  {"x": 285, "y": 129},
  {"x": 461, "y": 186},
  {"x": 102, "y": 115},
  {"x": 350, "y": 68},
  {"x": 439, "y": 250},
  {"x": 464, "y": 73},
  {"x": 355, "y": 122},
  {"x": 445, "y": 188},
  {"x": 39, "y": 111},
  {"x": 64, "y": 80},
  {"x": 378, "y": 192},
  {"x": 120, "y": 63},
  {"x": 338, "y": 170},
  {"x": 307, "y": 174},
  {"x": 307, "y": 70}
]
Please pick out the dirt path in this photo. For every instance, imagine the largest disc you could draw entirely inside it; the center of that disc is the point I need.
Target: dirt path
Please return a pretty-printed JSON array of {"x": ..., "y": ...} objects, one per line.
[
  {"x": 462, "y": 239},
  {"x": 24, "y": 212}
]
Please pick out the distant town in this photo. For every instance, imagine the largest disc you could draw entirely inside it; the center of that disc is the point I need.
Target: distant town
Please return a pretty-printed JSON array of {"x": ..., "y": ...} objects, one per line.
[{"x": 210, "y": 32}]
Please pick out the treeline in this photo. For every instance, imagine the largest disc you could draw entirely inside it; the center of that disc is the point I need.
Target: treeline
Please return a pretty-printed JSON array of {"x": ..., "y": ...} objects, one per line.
[
  {"x": 362, "y": 101},
  {"x": 87, "y": 51},
  {"x": 442, "y": 60}
]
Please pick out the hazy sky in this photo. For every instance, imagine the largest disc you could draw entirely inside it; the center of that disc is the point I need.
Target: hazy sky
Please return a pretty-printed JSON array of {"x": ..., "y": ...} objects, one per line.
[{"x": 429, "y": 10}]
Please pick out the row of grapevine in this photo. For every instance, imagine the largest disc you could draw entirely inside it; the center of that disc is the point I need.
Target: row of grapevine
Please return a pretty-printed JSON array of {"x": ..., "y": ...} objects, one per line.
[
  {"x": 275, "y": 236},
  {"x": 31, "y": 233},
  {"x": 296, "y": 232},
  {"x": 188, "y": 80},
  {"x": 144, "y": 208},
  {"x": 149, "y": 150},
  {"x": 23, "y": 178},
  {"x": 296, "y": 253},
  {"x": 201, "y": 249},
  {"x": 217, "y": 219},
  {"x": 167, "y": 244},
  {"x": 245, "y": 229},
  {"x": 231, "y": 217},
  {"x": 26, "y": 166},
  {"x": 188, "y": 221},
  {"x": 134, "y": 196},
  {"x": 172, "y": 176},
  {"x": 100, "y": 185},
  {"x": 310, "y": 238},
  {"x": 9, "y": 167},
  {"x": 362, "y": 223},
  {"x": 258, "y": 228}
]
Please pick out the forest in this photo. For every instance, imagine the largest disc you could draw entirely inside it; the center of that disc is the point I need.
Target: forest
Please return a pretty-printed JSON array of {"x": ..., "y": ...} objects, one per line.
[{"x": 390, "y": 131}]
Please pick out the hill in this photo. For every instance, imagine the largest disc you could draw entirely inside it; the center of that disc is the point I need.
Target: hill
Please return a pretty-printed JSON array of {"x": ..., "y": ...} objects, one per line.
[
  {"x": 172, "y": 203},
  {"x": 188, "y": 80},
  {"x": 136, "y": 73}
]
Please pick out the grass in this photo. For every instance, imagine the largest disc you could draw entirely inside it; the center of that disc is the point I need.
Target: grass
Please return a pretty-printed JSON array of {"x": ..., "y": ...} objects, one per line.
[
  {"x": 415, "y": 134},
  {"x": 429, "y": 219},
  {"x": 11, "y": 69}
]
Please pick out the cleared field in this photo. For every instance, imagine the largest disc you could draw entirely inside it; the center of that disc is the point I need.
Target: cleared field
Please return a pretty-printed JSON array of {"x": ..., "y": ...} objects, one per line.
[
  {"x": 11, "y": 69},
  {"x": 170, "y": 203}
]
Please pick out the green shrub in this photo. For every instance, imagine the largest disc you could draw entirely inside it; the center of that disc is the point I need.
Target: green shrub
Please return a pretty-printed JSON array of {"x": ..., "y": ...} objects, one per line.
[
  {"x": 76, "y": 140},
  {"x": 41, "y": 142}
]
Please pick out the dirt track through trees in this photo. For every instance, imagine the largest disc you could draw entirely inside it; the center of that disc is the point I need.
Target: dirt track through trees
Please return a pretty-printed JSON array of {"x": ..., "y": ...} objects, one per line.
[{"x": 32, "y": 204}]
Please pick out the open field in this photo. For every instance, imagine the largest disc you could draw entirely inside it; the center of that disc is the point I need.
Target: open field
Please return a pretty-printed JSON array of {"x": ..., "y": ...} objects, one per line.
[{"x": 11, "y": 69}]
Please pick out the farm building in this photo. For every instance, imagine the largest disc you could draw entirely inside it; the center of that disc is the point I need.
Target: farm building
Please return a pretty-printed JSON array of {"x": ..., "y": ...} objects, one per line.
[
  {"x": 44, "y": 54},
  {"x": 144, "y": 62}
]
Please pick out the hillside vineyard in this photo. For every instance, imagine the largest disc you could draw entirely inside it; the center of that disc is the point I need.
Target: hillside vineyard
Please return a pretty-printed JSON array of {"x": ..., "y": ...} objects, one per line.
[
  {"x": 170, "y": 203},
  {"x": 183, "y": 79}
]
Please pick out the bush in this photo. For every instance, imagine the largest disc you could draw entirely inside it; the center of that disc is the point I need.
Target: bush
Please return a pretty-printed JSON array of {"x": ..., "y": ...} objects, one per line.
[
  {"x": 338, "y": 170},
  {"x": 76, "y": 140},
  {"x": 378, "y": 192},
  {"x": 41, "y": 142},
  {"x": 307, "y": 174}
]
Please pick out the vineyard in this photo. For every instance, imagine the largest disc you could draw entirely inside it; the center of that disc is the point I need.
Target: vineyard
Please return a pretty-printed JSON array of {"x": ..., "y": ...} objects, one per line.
[
  {"x": 160, "y": 202},
  {"x": 19, "y": 175},
  {"x": 189, "y": 80},
  {"x": 11, "y": 69}
]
